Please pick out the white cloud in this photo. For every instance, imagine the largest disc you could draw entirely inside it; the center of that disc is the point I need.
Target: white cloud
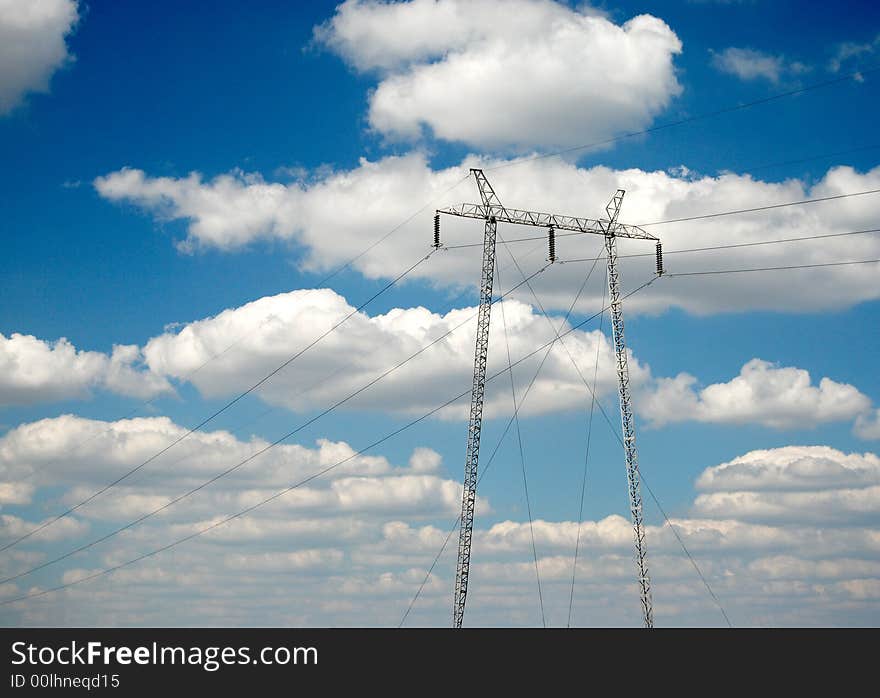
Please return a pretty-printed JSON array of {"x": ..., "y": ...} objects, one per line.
[
  {"x": 32, "y": 370},
  {"x": 424, "y": 460},
  {"x": 748, "y": 64},
  {"x": 357, "y": 356},
  {"x": 15, "y": 492},
  {"x": 81, "y": 455},
  {"x": 762, "y": 393},
  {"x": 805, "y": 554},
  {"x": 832, "y": 506},
  {"x": 233, "y": 210},
  {"x": 614, "y": 534},
  {"x": 124, "y": 375},
  {"x": 12, "y": 527},
  {"x": 334, "y": 216},
  {"x": 32, "y": 46},
  {"x": 541, "y": 66},
  {"x": 319, "y": 559},
  {"x": 812, "y": 484},
  {"x": 790, "y": 567},
  {"x": 271, "y": 329},
  {"x": 792, "y": 468},
  {"x": 867, "y": 425},
  {"x": 851, "y": 49},
  {"x": 92, "y": 450},
  {"x": 862, "y": 588},
  {"x": 509, "y": 536},
  {"x": 362, "y": 350}
]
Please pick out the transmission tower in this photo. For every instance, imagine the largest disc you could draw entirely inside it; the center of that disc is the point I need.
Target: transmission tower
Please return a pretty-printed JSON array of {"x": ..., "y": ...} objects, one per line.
[{"x": 492, "y": 212}]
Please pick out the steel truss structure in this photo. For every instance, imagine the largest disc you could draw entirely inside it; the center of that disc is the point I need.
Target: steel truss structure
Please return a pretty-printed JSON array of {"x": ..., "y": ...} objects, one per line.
[
  {"x": 493, "y": 212},
  {"x": 475, "y": 421}
]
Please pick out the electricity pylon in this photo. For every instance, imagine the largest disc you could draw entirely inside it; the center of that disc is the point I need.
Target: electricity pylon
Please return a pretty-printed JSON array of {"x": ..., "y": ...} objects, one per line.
[{"x": 493, "y": 212}]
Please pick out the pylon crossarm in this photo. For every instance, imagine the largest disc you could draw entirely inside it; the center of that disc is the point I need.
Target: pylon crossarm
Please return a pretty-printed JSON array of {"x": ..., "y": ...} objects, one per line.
[{"x": 502, "y": 214}]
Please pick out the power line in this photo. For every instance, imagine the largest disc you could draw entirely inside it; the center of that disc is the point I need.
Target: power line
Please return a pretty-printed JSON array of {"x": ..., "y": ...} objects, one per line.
[
  {"x": 256, "y": 418},
  {"x": 439, "y": 554},
  {"x": 522, "y": 457},
  {"x": 687, "y": 552},
  {"x": 497, "y": 446},
  {"x": 562, "y": 343},
  {"x": 217, "y": 413},
  {"x": 396, "y": 228},
  {"x": 391, "y": 232},
  {"x": 663, "y": 512},
  {"x": 791, "y": 266},
  {"x": 617, "y": 436},
  {"x": 185, "y": 377},
  {"x": 812, "y": 158},
  {"x": 657, "y": 502},
  {"x": 668, "y": 521},
  {"x": 586, "y": 462},
  {"x": 762, "y": 242},
  {"x": 629, "y": 135},
  {"x": 239, "y": 340},
  {"x": 303, "y": 391},
  {"x": 302, "y": 482},
  {"x": 855, "y": 75},
  {"x": 761, "y": 208},
  {"x": 254, "y": 455},
  {"x": 627, "y": 423},
  {"x": 646, "y": 604},
  {"x": 756, "y": 243}
]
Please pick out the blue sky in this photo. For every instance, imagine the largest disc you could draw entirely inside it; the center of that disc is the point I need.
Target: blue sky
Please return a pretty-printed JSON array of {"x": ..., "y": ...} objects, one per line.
[{"x": 168, "y": 165}]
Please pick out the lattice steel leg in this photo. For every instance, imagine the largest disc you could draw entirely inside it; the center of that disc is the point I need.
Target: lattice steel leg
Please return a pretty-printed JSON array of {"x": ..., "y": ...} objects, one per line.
[
  {"x": 475, "y": 424},
  {"x": 629, "y": 432}
]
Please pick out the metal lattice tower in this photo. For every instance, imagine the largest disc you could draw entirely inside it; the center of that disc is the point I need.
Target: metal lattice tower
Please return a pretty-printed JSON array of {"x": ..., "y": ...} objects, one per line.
[
  {"x": 492, "y": 212},
  {"x": 627, "y": 423},
  {"x": 475, "y": 422}
]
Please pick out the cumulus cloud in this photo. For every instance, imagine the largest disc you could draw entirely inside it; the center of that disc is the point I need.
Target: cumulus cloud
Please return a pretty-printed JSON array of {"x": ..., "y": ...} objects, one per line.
[
  {"x": 800, "y": 549},
  {"x": 15, "y": 492},
  {"x": 365, "y": 347},
  {"x": 812, "y": 484},
  {"x": 867, "y": 425},
  {"x": 558, "y": 76},
  {"x": 11, "y": 527},
  {"x": 311, "y": 530},
  {"x": 793, "y": 468},
  {"x": 32, "y": 46},
  {"x": 613, "y": 535},
  {"x": 33, "y": 370},
  {"x": 762, "y": 393},
  {"x": 361, "y": 204},
  {"x": 790, "y": 567},
  {"x": 82, "y": 454},
  {"x": 833, "y": 506},
  {"x": 266, "y": 332}
]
